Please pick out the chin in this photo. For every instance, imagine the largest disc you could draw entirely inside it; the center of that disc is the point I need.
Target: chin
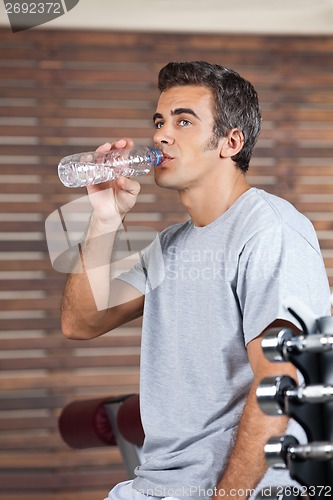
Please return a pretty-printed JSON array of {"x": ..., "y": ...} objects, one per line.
[
  {"x": 164, "y": 183},
  {"x": 160, "y": 178},
  {"x": 165, "y": 179}
]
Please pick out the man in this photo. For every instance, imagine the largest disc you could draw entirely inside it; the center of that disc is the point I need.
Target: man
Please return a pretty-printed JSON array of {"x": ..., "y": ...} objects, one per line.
[{"x": 227, "y": 272}]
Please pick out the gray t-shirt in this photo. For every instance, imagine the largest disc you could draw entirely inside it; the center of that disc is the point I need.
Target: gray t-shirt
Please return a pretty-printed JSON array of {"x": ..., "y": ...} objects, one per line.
[{"x": 221, "y": 285}]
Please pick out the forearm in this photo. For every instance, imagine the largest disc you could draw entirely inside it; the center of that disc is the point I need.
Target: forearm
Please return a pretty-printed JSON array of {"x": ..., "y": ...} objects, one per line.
[
  {"x": 87, "y": 291},
  {"x": 247, "y": 462},
  {"x": 90, "y": 305}
]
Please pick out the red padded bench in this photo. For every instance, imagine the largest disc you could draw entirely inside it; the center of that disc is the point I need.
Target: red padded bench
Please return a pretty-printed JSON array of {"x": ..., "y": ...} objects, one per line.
[{"x": 109, "y": 422}]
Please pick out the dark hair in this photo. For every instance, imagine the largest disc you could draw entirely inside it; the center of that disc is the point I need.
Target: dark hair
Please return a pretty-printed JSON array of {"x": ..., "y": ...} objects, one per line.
[{"x": 235, "y": 100}]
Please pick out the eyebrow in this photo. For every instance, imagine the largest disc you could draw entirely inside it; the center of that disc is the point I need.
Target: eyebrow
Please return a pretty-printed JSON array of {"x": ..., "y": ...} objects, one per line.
[{"x": 178, "y": 111}]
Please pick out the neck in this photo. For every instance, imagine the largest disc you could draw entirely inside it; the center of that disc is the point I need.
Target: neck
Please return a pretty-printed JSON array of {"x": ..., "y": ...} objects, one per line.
[{"x": 205, "y": 204}]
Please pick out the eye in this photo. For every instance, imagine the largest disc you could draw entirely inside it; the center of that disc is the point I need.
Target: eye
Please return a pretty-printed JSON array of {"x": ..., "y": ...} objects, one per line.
[
  {"x": 184, "y": 123},
  {"x": 158, "y": 125}
]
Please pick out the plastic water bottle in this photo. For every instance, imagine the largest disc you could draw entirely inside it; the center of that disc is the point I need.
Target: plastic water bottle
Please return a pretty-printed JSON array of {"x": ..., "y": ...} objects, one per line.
[{"x": 85, "y": 169}]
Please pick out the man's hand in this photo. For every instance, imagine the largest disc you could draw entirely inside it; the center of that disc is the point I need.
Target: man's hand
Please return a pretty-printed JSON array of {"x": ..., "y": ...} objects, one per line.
[{"x": 113, "y": 198}]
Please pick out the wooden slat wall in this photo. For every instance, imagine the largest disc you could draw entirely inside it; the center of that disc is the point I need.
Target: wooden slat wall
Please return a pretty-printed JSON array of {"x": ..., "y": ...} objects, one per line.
[{"x": 63, "y": 92}]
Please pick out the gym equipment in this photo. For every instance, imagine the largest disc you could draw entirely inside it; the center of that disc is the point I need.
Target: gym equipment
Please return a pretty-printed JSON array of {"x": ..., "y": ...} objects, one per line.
[
  {"x": 105, "y": 422},
  {"x": 309, "y": 403}
]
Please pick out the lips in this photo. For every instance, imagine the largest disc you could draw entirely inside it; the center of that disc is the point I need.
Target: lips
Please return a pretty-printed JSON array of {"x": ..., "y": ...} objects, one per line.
[{"x": 167, "y": 158}]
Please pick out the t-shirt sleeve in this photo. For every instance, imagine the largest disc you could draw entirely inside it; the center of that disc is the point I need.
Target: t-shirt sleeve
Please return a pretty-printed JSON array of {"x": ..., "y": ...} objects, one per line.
[
  {"x": 275, "y": 264},
  {"x": 135, "y": 276},
  {"x": 148, "y": 272}
]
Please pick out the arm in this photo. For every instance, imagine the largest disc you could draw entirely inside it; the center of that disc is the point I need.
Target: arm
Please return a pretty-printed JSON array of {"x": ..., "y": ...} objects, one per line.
[
  {"x": 247, "y": 462},
  {"x": 94, "y": 303}
]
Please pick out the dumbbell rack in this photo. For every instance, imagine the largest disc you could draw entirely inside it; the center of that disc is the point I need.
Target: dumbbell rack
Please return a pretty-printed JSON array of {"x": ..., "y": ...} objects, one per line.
[{"x": 310, "y": 404}]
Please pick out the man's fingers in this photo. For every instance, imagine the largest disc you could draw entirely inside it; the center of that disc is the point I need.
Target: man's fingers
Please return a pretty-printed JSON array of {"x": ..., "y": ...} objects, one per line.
[
  {"x": 129, "y": 185},
  {"x": 127, "y": 142},
  {"x": 120, "y": 144},
  {"x": 104, "y": 148}
]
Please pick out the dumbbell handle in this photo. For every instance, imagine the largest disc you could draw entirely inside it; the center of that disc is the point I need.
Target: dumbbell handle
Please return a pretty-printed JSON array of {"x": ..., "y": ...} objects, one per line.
[
  {"x": 320, "y": 450},
  {"x": 310, "y": 343},
  {"x": 278, "y": 343},
  {"x": 279, "y": 450},
  {"x": 311, "y": 394},
  {"x": 275, "y": 393}
]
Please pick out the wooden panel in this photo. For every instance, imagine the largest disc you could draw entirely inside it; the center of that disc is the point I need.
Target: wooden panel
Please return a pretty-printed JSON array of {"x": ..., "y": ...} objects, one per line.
[{"x": 64, "y": 92}]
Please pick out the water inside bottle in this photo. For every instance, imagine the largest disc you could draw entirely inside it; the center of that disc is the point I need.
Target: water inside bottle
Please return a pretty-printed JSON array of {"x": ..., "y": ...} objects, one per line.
[
  {"x": 84, "y": 169},
  {"x": 77, "y": 174}
]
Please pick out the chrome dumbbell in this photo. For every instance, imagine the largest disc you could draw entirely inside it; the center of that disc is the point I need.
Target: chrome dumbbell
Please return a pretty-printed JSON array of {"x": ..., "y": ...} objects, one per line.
[
  {"x": 280, "y": 450},
  {"x": 276, "y": 451},
  {"x": 278, "y": 343},
  {"x": 274, "y": 343},
  {"x": 275, "y": 393},
  {"x": 271, "y": 394}
]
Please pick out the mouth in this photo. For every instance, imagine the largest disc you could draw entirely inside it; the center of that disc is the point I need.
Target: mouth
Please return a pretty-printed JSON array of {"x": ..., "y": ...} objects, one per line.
[{"x": 167, "y": 158}]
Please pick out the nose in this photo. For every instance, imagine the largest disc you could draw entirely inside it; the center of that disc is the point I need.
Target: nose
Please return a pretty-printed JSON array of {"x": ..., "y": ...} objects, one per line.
[{"x": 163, "y": 136}]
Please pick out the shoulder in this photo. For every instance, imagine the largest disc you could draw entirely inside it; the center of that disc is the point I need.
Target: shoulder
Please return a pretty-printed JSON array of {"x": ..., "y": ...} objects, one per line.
[
  {"x": 268, "y": 207},
  {"x": 266, "y": 213},
  {"x": 280, "y": 208}
]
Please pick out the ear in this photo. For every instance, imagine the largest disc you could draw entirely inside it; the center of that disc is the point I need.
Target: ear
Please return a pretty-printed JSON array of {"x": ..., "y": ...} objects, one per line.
[{"x": 232, "y": 144}]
